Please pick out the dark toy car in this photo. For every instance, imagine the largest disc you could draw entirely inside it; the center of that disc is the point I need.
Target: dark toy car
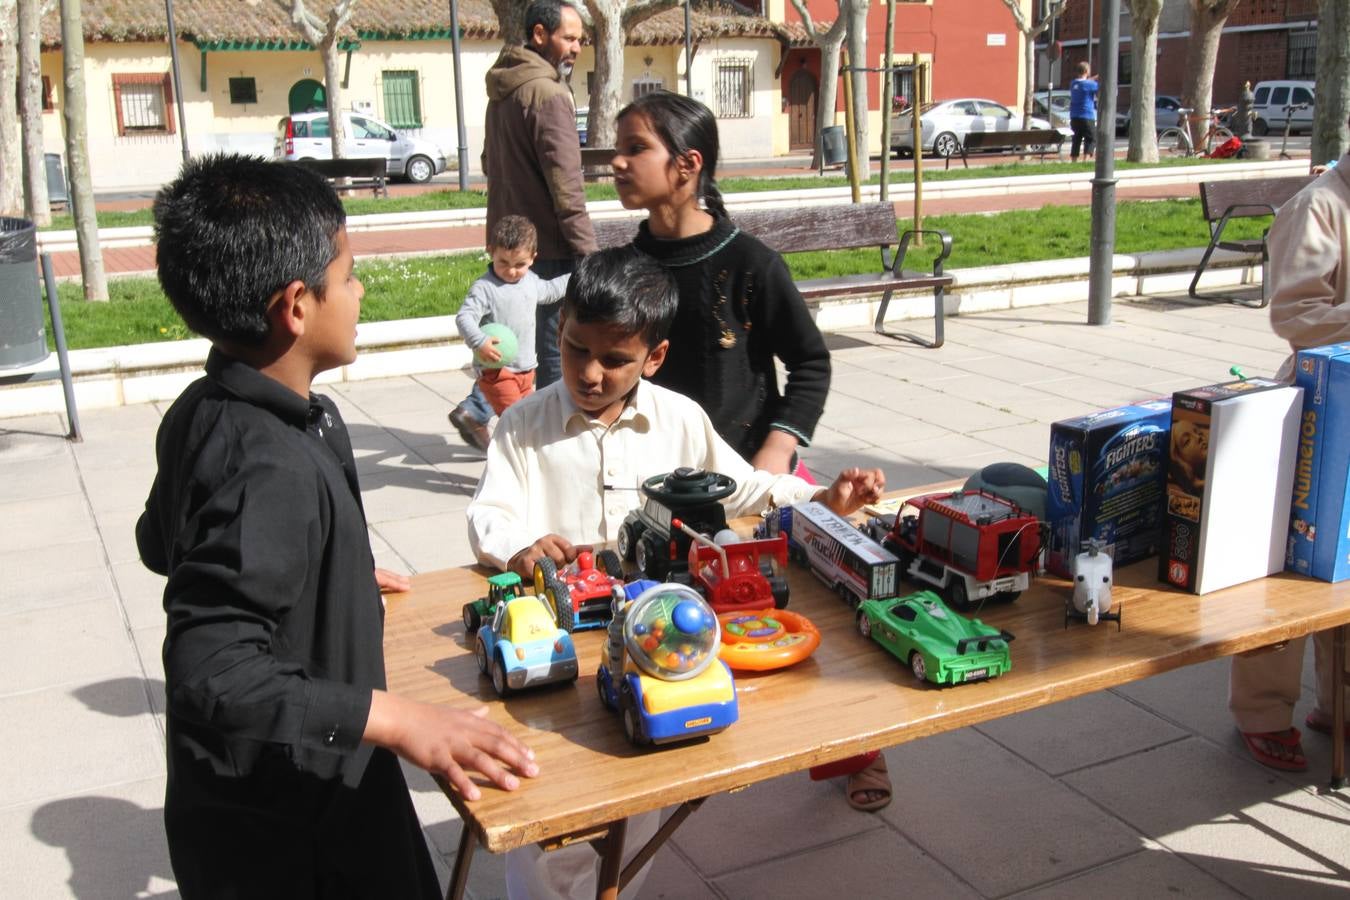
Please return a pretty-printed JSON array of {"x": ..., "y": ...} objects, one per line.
[{"x": 691, "y": 495}]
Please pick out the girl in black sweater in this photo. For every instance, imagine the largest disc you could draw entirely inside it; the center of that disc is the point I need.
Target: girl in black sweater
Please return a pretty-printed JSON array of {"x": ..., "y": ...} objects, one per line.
[
  {"x": 738, "y": 306},
  {"x": 738, "y": 311}
]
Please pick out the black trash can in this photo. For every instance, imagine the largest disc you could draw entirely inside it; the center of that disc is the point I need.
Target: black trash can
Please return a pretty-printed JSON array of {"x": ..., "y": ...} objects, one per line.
[
  {"x": 23, "y": 333},
  {"x": 56, "y": 180},
  {"x": 833, "y": 145}
]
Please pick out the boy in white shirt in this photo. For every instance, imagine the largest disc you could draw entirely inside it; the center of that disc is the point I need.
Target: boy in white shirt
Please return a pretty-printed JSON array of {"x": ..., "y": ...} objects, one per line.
[{"x": 565, "y": 464}]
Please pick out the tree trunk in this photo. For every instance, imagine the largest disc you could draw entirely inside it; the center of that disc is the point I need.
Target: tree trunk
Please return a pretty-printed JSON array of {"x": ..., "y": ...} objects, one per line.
[
  {"x": 1329, "y": 138},
  {"x": 1144, "y": 56},
  {"x": 830, "y": 51},
  {"x": 607, "y": 92},
  {"x": 856, "y": 11},
  {"x": 332, "y": 80},
  {"x": 1202, "y": 50},
  {"x": 510, "y": 21},
  {"x": 77, "y": 154},
  {"x": 11, "y": 160},
  {"x": 37, "y": 206}
]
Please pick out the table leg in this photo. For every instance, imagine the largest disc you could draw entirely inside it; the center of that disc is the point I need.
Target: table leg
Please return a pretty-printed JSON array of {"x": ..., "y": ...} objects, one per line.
[
  {"x": 611, "y": 862},
  {"x": 459, "y": 876},
  {"x": 612, "y": 880},
  {"x": 1338, "y": 684}
]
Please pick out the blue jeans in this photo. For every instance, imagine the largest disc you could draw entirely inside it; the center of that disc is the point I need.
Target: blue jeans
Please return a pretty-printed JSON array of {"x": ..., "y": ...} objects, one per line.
[
  {"x": 546, "y": 325},
  {"x": 476, "y": 405}
]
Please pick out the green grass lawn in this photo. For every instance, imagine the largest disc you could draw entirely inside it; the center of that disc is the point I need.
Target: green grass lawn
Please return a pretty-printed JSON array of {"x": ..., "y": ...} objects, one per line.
[{"x": 436, "y": 285}]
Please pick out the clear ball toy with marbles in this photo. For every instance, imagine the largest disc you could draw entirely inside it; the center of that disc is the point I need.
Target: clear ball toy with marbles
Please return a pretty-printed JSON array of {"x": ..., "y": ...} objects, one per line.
[{"x": 671, "y": 632}]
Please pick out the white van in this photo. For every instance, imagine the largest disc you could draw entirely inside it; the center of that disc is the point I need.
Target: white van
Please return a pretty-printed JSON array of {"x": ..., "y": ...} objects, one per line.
[
  {"x": 305, "y": 136},
  {"x": 1279, "y": 101}
]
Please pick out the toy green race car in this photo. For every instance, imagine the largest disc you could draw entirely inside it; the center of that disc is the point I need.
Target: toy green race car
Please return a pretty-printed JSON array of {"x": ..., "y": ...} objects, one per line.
[{"x": 939, "y": 645}]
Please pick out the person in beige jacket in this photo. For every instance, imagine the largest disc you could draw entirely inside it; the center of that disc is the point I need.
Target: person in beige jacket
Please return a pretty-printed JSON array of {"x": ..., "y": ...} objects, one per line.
[{"x": 1309, "y": 278}]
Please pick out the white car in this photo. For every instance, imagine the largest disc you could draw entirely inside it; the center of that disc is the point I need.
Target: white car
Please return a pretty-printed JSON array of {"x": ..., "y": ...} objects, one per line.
[
  {"x": 306, "y": 136},
  {"x": 945, "y": 125}
]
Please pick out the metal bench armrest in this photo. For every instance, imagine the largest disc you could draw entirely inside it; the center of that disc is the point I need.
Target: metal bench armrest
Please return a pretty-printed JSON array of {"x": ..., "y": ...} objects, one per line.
[{"x": 897, "y": 269}]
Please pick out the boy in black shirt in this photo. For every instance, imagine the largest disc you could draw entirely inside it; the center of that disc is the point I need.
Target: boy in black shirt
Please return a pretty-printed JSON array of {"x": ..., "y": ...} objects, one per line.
[{"x": 281, "y": 782}]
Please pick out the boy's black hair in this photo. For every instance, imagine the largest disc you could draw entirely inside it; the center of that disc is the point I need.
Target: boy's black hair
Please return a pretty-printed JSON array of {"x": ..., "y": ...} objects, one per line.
[
  {"x": 626, "y": 289},
  {"x": 684, "y": 124},
  {"x": 232, "y": 230},
  {"x": 514, "y": 233}
]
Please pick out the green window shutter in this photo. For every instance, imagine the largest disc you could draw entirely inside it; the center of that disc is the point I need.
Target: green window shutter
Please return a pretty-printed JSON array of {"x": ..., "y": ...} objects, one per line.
[{"x": 402, "y": 104}]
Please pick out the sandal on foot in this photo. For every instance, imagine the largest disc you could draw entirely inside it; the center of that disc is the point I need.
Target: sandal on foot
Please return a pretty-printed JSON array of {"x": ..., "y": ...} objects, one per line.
[
  {"x": 1276, "y": 749},
  {"x": 870, "y": 789},
  {"x": 1321, "y": 723}
]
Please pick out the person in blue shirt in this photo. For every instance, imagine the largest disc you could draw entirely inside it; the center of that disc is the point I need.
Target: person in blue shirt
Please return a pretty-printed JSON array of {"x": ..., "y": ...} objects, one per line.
[{"x": 1082, "y": 111}]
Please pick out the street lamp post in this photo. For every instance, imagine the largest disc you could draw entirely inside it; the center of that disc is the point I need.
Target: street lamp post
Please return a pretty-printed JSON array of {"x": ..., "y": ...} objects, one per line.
[{"x": 177, "y": 79}]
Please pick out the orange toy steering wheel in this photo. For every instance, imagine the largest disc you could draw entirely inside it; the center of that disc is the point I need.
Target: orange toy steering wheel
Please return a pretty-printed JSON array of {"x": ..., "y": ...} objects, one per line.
[{"x": 766, "y": 639}]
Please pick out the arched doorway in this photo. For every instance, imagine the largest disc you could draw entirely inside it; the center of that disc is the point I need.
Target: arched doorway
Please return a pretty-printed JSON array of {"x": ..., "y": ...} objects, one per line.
[
  {"x": 802, "y": 110},
  {"x": 307, "y": 94}
]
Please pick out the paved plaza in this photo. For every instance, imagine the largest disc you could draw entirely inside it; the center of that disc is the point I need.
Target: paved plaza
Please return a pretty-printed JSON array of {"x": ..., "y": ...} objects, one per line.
[{"x": 1139, "y": 791}]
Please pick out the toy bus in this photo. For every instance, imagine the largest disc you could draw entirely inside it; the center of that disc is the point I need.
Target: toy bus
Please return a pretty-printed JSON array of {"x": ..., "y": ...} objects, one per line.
[{"x": 850, "y": 563}]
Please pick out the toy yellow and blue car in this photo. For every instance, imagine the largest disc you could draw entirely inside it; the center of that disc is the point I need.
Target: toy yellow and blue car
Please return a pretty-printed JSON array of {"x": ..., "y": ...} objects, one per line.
[{"x": 521, "y": 646}]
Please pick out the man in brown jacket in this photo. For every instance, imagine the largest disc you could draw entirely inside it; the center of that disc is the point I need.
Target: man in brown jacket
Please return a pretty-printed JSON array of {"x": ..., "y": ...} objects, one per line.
[
  {"x": 531, "y": 155},
  {"x": 532, "y": 161}
]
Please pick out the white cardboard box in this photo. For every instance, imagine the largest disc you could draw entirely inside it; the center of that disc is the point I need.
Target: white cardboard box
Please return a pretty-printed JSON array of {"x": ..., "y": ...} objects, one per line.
[{"x": 1229, "y": 480}]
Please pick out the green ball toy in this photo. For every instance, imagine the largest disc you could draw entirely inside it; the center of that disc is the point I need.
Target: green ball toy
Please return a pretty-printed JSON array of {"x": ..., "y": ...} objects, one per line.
[{"x": 507, "y": 345}]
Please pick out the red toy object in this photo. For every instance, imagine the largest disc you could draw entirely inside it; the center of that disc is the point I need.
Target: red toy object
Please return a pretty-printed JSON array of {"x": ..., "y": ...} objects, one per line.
[
  {"x": 766, "y": 639},
  {"x": 970, "y": 544},
  {"x": 736, "y": 575},
  {"x": 579, "y": 593}
]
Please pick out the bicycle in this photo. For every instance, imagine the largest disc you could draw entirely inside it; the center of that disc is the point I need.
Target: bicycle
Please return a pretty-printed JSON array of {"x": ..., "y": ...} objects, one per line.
[{"x": 1176, "y": 141}]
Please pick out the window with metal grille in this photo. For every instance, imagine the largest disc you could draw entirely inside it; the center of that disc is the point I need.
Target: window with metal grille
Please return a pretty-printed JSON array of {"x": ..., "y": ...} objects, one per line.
[
  {"x": 243, "y": 90},
  {"x": 144, "y": 103},
  {"x": 402, "y": 103},
  {"x": 1301, "y": 55},
  {"x": 735, "y": 85},
  {"x": 646, "y": 86}
]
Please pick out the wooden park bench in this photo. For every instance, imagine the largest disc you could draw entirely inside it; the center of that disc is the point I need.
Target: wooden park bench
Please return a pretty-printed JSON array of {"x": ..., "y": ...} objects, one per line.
[
  {"x": 595, "y": 163},
  {"x": 1033, "y": 140},
  {"x": 836, "y": 227},
  {"x": 1223, "y": 201},
  {"x": 362, "y": 172}
]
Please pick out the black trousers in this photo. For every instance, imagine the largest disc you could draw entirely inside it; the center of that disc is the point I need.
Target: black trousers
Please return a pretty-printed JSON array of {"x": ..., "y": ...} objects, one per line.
[
  {"x": 1082, "y": 136},
  {"x": 296, "y": 837}
]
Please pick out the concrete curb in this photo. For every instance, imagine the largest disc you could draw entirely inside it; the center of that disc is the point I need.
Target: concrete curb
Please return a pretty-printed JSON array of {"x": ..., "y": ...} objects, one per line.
[{"x": 142, "y": 373}]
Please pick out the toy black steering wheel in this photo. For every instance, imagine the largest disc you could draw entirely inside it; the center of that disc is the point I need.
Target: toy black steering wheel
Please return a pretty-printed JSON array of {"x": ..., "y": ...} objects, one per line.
[{"x": 686, "y": 487}]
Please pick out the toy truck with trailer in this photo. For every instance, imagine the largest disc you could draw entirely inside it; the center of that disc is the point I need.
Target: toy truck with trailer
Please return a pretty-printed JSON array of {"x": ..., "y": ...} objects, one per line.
[
  {"x": 972, "y": 545},
  {"x": 849, "y": 562}
]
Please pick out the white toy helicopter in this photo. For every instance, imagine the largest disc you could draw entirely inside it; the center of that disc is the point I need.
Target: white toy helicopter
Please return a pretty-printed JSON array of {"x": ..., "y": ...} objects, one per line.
[{"x": 1091, "y": 599}]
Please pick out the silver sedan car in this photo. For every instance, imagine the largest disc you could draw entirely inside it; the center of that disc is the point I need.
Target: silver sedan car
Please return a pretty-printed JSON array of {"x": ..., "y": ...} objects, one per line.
[{"x": 946, "y": 123}]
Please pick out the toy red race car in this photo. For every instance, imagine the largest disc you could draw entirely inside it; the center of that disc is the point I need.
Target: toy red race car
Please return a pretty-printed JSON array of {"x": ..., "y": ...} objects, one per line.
[
  {"x": 579, "y": 593},
  {"x": 736, "y": 575}
]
